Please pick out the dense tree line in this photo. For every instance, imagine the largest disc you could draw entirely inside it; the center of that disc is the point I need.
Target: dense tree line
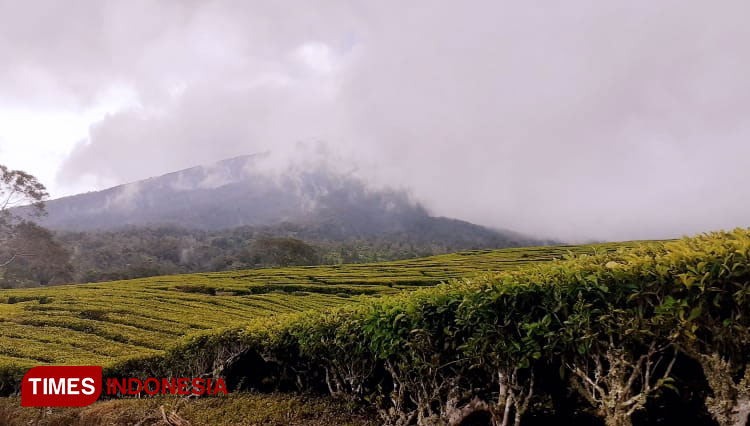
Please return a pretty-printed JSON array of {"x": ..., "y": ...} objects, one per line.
[
  {"x": 42, "y": 260},
  {"x": 151, "y": 251},
  {"x": 350, "y": 230},
  {"x": 77, "y": 257}
]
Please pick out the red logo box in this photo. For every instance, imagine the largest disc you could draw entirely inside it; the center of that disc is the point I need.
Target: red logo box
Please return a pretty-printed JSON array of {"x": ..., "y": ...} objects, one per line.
[{"x": 49, "y": 386}]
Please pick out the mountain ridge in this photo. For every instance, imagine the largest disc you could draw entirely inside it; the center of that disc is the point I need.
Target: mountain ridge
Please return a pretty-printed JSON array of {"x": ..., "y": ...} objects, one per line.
[{"x": 243, "y": 191}]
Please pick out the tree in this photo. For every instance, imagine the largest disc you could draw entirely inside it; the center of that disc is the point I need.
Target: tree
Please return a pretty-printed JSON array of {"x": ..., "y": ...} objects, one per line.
[
  {"x": 280, "y": 251},
  {"x": 28, "y": 252},
  {"x": 17, "y": 188},
  {"x": 44, "y": 260}
]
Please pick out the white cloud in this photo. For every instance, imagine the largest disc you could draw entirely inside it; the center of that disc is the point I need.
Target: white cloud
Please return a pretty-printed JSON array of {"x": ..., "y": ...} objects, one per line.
[
  {"x": 576, "y": 120},
  {"x": 317, "y": 56},
  {"x": 39, "y": 140}
]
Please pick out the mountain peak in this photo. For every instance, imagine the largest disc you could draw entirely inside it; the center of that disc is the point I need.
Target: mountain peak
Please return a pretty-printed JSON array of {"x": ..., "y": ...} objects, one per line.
[{"x": 244, "y": 191}]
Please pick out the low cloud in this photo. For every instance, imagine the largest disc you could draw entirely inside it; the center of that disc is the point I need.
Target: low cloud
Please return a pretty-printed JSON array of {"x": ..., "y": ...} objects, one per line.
[{"x": 575, "y": 121}]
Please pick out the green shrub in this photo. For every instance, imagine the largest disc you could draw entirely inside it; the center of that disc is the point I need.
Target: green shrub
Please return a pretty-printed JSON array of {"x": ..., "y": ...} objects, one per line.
[{"x": 611, "y": 322}]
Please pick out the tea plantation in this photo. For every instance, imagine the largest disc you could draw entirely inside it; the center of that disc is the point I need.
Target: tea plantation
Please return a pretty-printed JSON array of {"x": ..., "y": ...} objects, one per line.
[
  {"x": 97, "y": 324},
  {"x": 621, "y": 334}
]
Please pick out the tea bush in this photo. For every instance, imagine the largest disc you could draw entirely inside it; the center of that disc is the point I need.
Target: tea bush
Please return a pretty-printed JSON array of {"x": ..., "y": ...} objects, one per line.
[
  {"x": 614, "y": 325},
  {"x": 122, "y": 323}
]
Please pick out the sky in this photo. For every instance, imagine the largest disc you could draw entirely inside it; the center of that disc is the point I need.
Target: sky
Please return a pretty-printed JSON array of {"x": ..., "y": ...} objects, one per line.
[{"x": 572, "y": 120}]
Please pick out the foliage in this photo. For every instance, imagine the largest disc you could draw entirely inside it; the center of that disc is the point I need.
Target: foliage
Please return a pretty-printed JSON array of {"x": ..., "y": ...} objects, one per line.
[
  {"x": 41, "y": 259},
  {"x": 17, "y": 188},
  {"x": 612, "y": 324},
  {"x": 151, "y": 251},
  {"x": 280, "y": 251},
  {"x": 29, "y": 254},
  {"x": 108, "y": 323}
]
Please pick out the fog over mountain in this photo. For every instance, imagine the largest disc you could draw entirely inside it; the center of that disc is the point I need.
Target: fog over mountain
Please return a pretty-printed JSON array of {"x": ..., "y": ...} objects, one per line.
[
  {"x": 576, "y": 120},
  {"x": 321, "y": 202}
]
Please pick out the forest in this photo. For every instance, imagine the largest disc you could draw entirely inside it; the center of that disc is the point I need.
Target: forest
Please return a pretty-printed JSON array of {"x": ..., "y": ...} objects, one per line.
[
  {"x": 64, "y": 257},
  {"x": 355, "y": 226}
]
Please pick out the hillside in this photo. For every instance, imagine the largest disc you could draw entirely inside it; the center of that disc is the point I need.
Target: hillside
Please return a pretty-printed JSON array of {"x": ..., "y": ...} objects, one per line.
[
  {"x": 620, "y": 333},
  {"x": 242, "y": 191},
  {"x": 151, "y": 251},
  {"x": 650, "y": 335},
  {"x": 108, "y": 323}
]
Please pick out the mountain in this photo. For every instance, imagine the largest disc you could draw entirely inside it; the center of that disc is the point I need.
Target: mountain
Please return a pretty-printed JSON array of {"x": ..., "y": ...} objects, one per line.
[{"x": 315, "y": 203}]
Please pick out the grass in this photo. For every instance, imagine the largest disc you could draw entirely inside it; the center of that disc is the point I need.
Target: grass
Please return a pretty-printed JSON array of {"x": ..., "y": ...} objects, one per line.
[
  {"x": 240, "y": 409},
  {"x": 103, "y": 323}
]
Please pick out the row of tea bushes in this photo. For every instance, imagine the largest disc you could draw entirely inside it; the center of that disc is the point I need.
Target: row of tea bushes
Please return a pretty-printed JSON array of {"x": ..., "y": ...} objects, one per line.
[
  {"x": 614, "y": 327},
  {"x": 112, "y": 322}
]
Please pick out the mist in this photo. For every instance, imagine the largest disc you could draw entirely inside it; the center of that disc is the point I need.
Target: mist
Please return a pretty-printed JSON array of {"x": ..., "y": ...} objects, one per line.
[{"x": 574, "y": 121}]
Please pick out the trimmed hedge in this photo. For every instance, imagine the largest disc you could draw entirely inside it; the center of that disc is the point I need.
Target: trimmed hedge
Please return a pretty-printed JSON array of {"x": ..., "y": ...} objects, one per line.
[{"x": 614, "y": 326}]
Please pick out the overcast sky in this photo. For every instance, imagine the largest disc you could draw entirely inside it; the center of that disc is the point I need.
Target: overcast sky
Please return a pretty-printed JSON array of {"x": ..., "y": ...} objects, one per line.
[{"x": 573, "y": 120}]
